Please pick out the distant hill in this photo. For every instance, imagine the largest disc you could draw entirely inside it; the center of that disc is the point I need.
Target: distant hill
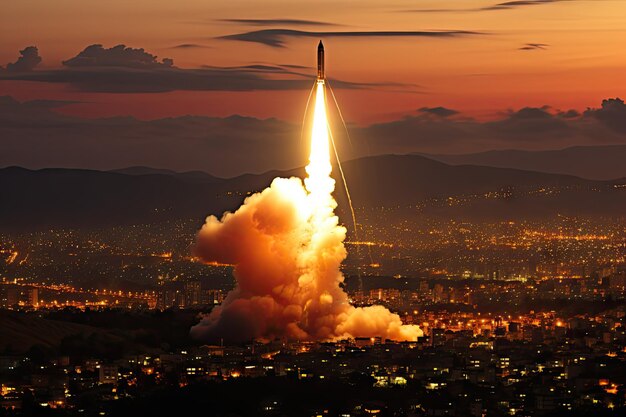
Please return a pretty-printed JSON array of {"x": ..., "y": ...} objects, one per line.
[
  {"x": 407, "y": 179},
  {"x": 84, "y": 198},
  {"x": 190, "y": 175},
  {"x": 19, "y": 333},
  {"x": 33, "y": 200},
  {"x": 593, "y": 162}
]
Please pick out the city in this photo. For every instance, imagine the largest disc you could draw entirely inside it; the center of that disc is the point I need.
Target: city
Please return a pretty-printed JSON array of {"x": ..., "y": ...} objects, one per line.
[
  {"x": 242, "y": 208},
  {"x": 518, "y": 319}
]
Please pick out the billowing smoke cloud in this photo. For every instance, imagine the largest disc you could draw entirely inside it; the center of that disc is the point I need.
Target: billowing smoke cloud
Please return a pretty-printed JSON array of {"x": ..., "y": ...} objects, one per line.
[{"x": 287, "y": 269}]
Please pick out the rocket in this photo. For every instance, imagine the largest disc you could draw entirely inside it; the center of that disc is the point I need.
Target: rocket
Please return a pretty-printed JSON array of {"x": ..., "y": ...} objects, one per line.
[{"x": 320, "y": 62}]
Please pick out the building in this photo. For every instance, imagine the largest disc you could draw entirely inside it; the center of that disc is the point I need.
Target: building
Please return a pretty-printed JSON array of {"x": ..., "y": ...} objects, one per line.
[
  {"x": 108, "y": 374},
  {"x": 13, "y": 295},
  {"x": 212, "y": 297},
  {"x": 32, "y": 296},
  {"x": 193, "y": 293}
]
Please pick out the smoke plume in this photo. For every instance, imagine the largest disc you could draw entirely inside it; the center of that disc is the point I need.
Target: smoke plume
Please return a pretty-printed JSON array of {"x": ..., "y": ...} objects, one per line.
[{"x": 286, "y": 246}]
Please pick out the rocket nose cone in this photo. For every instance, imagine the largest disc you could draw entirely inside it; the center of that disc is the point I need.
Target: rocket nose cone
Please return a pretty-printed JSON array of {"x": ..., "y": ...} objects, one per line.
[{"x": 320, "y": 46}]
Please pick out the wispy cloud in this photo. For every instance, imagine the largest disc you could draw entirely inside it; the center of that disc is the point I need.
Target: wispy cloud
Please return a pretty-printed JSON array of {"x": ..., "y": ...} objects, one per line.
[
  {"x": 497, "y": 6},
  {"x": 190, "y": 46},
  {"x": 276, "y": 37},
  {"x": 521, "y": 3},
  {"x": 277, "y": 22},
  {"x": 534, "y": 47}
]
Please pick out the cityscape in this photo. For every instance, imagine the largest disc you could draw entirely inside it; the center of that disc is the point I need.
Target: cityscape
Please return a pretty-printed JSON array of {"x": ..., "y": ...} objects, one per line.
[
  {"x": 242, "y": 208},
  {"x": 519, "y": 318}
]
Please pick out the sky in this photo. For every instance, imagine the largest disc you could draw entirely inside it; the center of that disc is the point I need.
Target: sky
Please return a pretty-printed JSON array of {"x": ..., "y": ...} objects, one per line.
[{"x": 479, "y": 60}]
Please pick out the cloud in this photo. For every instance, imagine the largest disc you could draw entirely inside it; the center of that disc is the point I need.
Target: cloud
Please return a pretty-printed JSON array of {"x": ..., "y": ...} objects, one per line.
[
  {"x": 569, "y": 114},
  {"x": 527, "y": 128},
  {"x": 526, "y": 113},
  {"x": 189, "y": 46},
  {"x": 160, "y": 80},
  {"x": 127, "y": 70},
  {"x": 437, "y": 10},
  {"x": 259, "y": 68},
  {"x": 117, "y": 56},
  {"x": 438, "y": 111},
  {"x": 234, "y": 145},
  {"x": 225, "y": 146},
  {"x": 15, "y": 116},
  {"x": 278, "y": 22},
  {"x": 44, "y": 104},
  {"x": 276, "y": 37},
  {"x": 529, "y": 123},
  {"x": 612, "y": 113},
  {"x": 498, "y": 6},
  {"x": 520, "y": 3},
  {"x": 295, "y": 66},
  {"x": 534, "y": 47},
  {"x": 29, "y": 58}
]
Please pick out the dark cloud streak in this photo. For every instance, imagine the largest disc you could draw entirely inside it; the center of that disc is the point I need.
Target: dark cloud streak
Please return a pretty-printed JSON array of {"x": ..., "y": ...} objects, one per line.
[
  {"x": 276, "y": 37},
  {"x": 521, "y": 3},
  {"x": 498, "y": 6},
  {"x": 277, "y": 22},
  {"x": 190, "y": 46},
  {"x": 534, "y": 47},
  {"x": 125, "y": 80}
]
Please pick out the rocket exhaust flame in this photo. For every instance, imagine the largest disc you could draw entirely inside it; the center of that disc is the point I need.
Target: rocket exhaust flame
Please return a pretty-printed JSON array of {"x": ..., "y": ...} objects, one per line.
[
  {"x": 319, "y": 181},
  {"x": 287, "y": 247}
]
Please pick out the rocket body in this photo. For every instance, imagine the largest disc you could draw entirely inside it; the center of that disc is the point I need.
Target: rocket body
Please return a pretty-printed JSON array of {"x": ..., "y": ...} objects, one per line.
[{"x": 320, "y": 62}]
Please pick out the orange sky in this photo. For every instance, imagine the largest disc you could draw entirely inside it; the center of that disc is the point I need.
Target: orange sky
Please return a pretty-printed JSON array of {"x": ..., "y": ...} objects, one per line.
[{"x": 481, "y": 75}]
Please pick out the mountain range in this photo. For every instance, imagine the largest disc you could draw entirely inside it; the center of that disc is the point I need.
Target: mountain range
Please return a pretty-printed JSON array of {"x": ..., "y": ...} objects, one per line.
[
  {"x": 593, "y": 162},
  {"x": 46, "y": 198}
]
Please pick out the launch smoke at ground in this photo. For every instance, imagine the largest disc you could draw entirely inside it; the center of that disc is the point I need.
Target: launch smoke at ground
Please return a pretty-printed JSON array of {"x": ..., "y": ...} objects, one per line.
[{"x": 287, "y": 246}]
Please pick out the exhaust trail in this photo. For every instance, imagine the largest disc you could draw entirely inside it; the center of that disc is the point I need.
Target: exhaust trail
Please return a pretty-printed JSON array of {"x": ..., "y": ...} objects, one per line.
[
  {"x": 343, "y": 121},
  {"x": 345, "y": 182},
  {"x": 306, "y": 111}
]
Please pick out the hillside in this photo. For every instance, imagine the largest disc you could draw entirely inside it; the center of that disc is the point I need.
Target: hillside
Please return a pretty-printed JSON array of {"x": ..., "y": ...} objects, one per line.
[
  {"x": 593, "y": 162},
  {"x": 33, "y": 200}
]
